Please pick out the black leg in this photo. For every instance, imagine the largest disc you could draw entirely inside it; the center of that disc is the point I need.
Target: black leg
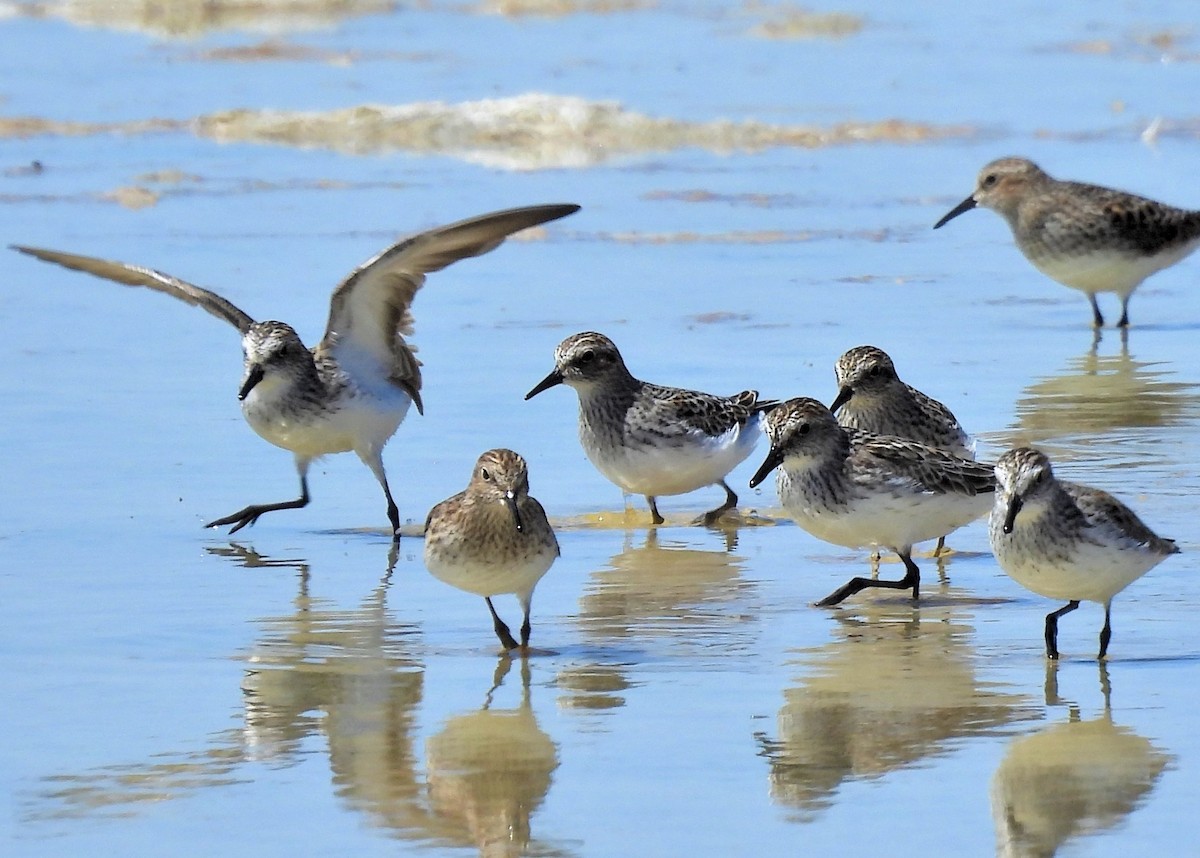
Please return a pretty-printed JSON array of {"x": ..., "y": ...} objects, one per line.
[
  {"x": 713, "y": 516},
  {"x": 250, "y": 514},
  {"x": 1052, "y": 627},
  {"x": 373, "y": 459},
  {"x": 393, "y": 513},
  {"x": 911, "y": 579},
  {"x": 940, "y": 547},
  {"x": 654, "y": 516},
  {"x": 1097, "y": 317},
  {"x": 1124, "y": 323},
  {"x": 502, "y": 632},
  {"x": 526, "y": 628},
  {"x": 1106, "y": 632}
]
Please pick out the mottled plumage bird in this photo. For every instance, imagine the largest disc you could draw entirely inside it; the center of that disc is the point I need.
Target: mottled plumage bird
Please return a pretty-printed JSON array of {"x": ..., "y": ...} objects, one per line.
[
  {"x": 352, "y": 390},
  {"x": 856, "y": 489},
  {"x": 1088, "y": 237},
  {"x": 1066, "y": 541},
  {"x": 871, "y": 397},
  {"x": 493, "y": 538},
  {"x": 649, "y": 439}
]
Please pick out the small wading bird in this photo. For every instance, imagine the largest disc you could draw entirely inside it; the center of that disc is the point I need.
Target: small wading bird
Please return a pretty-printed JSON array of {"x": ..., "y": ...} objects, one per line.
[
  {"x": 872, "y": 398},
  {"x": 649, "y": 439},
  {"x": 856, "y": 489},
  {"x": 1088, "y": 237},
  {"x": 352, "y": 390},
  {"x": 1066, "y": 541},
  {"x": 493, "y": 538}
]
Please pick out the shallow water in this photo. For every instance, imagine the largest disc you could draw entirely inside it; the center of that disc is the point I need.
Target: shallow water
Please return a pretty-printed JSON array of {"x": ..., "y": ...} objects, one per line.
[{"x": 762, "y": 201}]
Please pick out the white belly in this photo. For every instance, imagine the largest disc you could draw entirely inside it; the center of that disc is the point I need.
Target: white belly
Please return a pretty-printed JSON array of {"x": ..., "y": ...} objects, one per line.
[
  {"x": 1087, "y": 572},
  {"x": 490, "y": 578},
  {"x": 674, "y": 470},
  {"x": 1108, "y": 271},
  {"x": 893, "y": 520},
  {"x": 362, "y": 422}
]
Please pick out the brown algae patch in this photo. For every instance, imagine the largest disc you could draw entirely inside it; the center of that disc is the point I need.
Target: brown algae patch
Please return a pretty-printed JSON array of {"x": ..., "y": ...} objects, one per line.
[
  {"x": 538, "y": 131},
  {"x": 527, "y": 132},
  {"x": 699, "y": 195},
  {"x": 23, "y": 127},
  {"x": 760, "y": 236},
  {"x": 559, "y": 8},
  {"x": 788, "y": 21},
  {"x": 132, "y": 197},
  {"x": 193, "y": 18},
  {"x": 278, "y": 50},
  {"x": 1157, "y": 46}
]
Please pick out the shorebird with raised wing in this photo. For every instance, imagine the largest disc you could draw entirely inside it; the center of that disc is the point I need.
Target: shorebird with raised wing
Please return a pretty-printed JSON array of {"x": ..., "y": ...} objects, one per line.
[{"x": 351, "y": 391}]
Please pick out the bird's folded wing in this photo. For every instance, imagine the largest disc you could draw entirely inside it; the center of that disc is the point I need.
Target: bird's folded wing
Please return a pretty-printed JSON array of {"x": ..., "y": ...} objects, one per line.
[{"x": 932, "y": 469}]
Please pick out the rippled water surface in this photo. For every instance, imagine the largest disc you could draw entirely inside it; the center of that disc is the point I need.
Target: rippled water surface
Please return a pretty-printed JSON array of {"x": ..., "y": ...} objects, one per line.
[{"x": 758, "y": 183}]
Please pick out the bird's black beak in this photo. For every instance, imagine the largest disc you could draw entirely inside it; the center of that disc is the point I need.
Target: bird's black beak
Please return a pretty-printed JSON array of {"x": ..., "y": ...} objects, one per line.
[
  {"x": 1014, "y": 507},
  {"x": 253, "y": 376},
  {"x": 510, "y": 500},
  {"x": 773, "y": 461},
  {"x": 965, "y": 206},
  {"x": 546, "y": 383},
  {"x": 842, "y": 398}
]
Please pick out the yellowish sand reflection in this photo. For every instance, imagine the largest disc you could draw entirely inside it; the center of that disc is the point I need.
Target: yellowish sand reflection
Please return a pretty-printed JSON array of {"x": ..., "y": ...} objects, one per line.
[
  {"x": 897, "y": 685},
  {"x": 489, "y": 771},
  {"x": 1075, "y": 778},
  {"x": 1101, "y": 392}
]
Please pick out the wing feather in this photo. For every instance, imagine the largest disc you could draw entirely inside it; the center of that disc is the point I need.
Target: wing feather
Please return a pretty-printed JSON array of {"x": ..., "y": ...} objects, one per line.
[
  {"x": 933, "y": 469},
  {"x": 370, "y": 311},
  {"x": 135, "y": 275}
]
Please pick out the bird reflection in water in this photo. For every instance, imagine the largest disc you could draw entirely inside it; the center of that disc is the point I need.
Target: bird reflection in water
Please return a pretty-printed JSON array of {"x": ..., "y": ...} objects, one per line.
[
  {"x": 354, "y": 676},
  {"x": 1101, "y": 394},
  {"x": 664, "y": 588},
  {"x": 488, "y": 772},
  {"x": 1071, "y": 779},
  {"x": 896, "y": 686},
  {"x": 351, "y": 675},
  {"x": 653, "y": 594}
]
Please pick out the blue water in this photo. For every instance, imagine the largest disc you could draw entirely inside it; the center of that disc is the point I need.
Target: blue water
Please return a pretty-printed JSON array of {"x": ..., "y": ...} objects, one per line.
[{"x": 170, "y": 690}]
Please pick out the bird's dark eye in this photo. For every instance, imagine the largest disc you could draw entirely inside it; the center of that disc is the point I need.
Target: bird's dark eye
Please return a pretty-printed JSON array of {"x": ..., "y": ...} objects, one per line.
[
  {"x": 485, "y": 474},
  {"x": 587, "y": 357},
  {"x": 990, "y": 179},
  {"x": 803, "y": 429}
]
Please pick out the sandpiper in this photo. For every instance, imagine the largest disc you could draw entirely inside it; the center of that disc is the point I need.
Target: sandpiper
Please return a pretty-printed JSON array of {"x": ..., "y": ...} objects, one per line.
[
  {"x": 1066, "y": 541},
  {"x": 1088, "y": 237},
  {"x": 649, "y": 439},
  {"x": 857, "y": 489},
  {"x": 493, "y": 538},
  {"x": 871, "y": 397},
  {"x": 352, "y": 390}
]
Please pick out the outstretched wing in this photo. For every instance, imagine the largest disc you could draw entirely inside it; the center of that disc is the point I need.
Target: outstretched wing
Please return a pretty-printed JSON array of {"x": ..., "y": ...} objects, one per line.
[
  {"x": 370, "y": 312},
  {"x": 933, "y": 469},
  {"x": 135, "y": 275}
]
